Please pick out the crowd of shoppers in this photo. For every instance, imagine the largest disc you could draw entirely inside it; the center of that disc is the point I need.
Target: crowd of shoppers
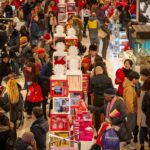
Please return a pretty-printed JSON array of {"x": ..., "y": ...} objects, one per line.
[{"x": 26, "y": 48}]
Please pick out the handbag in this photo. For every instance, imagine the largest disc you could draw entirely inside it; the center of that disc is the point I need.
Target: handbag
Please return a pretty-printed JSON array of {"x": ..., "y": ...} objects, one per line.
[
  {"x": 102, "y": 34},
  {"x": 34, "y": 93},
  {"x": 110, "y": 140}
]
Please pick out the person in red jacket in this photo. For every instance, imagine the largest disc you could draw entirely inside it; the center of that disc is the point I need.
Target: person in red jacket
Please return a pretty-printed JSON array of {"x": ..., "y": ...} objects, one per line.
[
  {"x": 81, "y": 4},
  {"x": 121, "y": 73}
]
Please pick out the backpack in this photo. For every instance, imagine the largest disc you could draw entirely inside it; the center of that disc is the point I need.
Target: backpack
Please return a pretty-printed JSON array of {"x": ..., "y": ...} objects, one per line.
[
  {"x": 34, "y": 93},
  {"x": 110, "y": 140},
  {"x": 92, "y": 24}
]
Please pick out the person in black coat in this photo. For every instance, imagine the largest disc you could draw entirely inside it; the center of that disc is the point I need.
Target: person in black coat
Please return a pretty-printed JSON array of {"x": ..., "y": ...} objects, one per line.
[
  {"x": 45, "y": 75},
  {"x": 5, "y": 67},
  {"x": 39, "y": 128},
  {"x": 3, "y": 36},
  {"x": 98, "y": 85},
  {"x": 146, "y": 104}
]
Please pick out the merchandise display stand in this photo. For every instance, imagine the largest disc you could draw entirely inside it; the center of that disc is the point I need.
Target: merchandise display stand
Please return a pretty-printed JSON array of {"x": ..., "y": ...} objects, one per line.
[
  {"x": 70, "y": 121},
  {"x": 62, "y": 12},
  {"x": 71, "y": 8},
  {"x": 71, "y": 39},
  {"x": 59, "y": 36}
]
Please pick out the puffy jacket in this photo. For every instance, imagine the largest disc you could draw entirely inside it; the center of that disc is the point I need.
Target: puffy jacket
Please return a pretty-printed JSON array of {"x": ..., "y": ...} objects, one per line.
[{"x": 129, "y": 96}]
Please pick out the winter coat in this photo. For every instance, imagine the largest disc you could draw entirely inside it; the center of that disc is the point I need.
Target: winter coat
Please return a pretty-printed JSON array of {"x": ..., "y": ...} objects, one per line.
[
  {"x": 129, "y": 96},
  {"x": 97, "y": 57},
  {"x": 45, "y": 75},
  {"x": 22, "y": 145},
  {"x": 13, "y": 42},
  {"x": 14, "y": 108},
  {"x": 5, "y": 70},
  {"x": 34, "y": 30},
  {"x": 93, "y": 30},
  {"x": 100, "y": 13},
  {"x": 116, "y": 121},
  {"x": 141, "y": 118},
  {"x": 146, "y": 107},
  {"x": 98, "y": 85},
  {"x": 119, "y": 80},
  {"x": 40, "y": 128},
  {"x": 3, "y": 39},
  {"x": 8, "y": 10},
  {"x": 120, "y": 76},
  {"x": 4, "y": 131}
]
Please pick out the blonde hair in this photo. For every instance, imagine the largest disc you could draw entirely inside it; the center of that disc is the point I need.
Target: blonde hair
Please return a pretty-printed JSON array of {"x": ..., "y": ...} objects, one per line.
[{"x": 12, "y": 91}]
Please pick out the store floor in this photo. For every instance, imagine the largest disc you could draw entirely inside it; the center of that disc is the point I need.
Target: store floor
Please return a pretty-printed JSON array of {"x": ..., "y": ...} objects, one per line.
[{"x": 113, "y": 63}]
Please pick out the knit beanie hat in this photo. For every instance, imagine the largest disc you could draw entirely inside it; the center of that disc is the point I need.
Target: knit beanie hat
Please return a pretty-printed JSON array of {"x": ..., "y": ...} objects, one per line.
[
  {"x": 23, "y": 40},
  {"x": 110, "y": 92},
  {"x": 40, "y": 51},
  {"x": 93, "y": 47}
]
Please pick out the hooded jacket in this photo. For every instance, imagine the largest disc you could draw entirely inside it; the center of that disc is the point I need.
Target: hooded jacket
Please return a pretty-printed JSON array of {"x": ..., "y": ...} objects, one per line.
[
  {"x": 129, "y": 96},
  {"x": 40, "y": 128}
]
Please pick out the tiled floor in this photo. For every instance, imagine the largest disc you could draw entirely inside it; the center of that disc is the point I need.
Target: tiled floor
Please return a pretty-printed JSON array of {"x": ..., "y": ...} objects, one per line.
[{"x": 113, "y": 63}]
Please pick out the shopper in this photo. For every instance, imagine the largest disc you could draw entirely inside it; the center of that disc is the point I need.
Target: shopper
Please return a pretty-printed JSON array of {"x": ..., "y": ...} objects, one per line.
[
  {"x": 86, "y": 14},
  {"x": 130, "y": 99},
  {"x": 39, "y": 128},
  {"x": 146, "y": 106},
  {"x": 113, "y": 104},
  {"x": 45, "y": 75},
  {"x": 121, "y": 73},
  {"x": 93, "y": 55},
  {"x": 100, "y": 13},
  {"x": 26, "y": 142},
  {"x": 98, "y": 85},
  {"x": 93, "y": 26},
  {"x": 14, "y": 97},
  {"x": 4, "y": 129},
  {"x": 5, "y": 67},
  {"x": 34, "y": 30},
  {"x": 106, "y": 39},
  {"x": 141, "y": 118}
]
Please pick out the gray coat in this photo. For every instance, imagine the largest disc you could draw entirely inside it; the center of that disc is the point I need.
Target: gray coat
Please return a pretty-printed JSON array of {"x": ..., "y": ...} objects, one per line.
[{"x": 123, "y": 133}]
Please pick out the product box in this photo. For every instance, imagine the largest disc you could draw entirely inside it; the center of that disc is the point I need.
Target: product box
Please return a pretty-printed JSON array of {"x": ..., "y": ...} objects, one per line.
[
  {"x": 59, "y": 88},
  {"x": 74, "y": 97},
  {"x": 71, "y": 42},
  {"x": 61, "y": 105},
  {"x": 59, "y": 122}
]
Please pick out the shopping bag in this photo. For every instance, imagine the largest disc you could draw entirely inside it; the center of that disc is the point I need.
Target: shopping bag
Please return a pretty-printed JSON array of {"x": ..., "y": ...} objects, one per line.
[
  {"x": 110, "y": 140},
  {"x": 101, "y": 34}
]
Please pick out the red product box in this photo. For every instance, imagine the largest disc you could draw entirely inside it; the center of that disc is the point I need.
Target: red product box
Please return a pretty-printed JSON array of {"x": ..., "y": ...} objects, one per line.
[
  {"x": 59, "y": 88},
  {"x": 59, "y": 122}
]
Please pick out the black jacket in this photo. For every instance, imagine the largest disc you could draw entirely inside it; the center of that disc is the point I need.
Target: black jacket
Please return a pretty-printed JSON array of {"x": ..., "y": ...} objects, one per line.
[
  {"x": 3, "y": 39},
  {"x": 146, "y": 107},
  {"x": 5, "y": 70},
  {"x": 40, "y": 128},
  {"x": 45, "y": 75}
]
